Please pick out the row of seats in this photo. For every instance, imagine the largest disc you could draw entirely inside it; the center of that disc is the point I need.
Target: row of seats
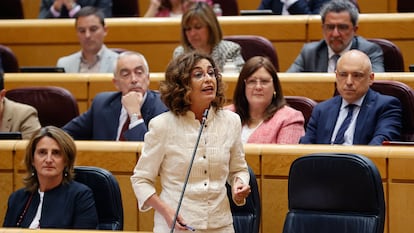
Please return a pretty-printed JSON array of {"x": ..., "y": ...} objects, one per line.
[
  {"x": 251, "y": 46},
  {"x": 57, "y": 106}
]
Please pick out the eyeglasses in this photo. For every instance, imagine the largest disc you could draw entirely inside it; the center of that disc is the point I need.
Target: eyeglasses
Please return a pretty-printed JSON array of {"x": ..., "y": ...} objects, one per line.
[
  {"x": 252, "y": 82},
  {"x": 340, "y": 27},
  {"x": 357, "y": 76},
  {"x": 199, "y": 74}
]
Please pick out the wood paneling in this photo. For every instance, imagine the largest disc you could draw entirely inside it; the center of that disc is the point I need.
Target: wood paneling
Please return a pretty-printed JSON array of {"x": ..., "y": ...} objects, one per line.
[{"x": 271, "y": 164}]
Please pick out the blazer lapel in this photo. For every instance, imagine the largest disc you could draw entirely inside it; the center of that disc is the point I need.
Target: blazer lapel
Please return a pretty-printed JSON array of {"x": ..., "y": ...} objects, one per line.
[
  {"x": 112, "y": 114},
  {"x": 331, "y": 119},
  {"x": 321, "y": 63},
  {"x": 363, "y": 115},
  {"x": 7, "y": 117}
]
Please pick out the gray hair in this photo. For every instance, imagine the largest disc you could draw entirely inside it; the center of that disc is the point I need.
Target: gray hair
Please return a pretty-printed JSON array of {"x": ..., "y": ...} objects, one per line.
[
  {"x": 340, "y": 6},
  {"x": 130, "y": 53}
]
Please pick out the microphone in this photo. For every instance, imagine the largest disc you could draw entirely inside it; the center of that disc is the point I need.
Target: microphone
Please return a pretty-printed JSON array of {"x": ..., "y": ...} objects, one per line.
[{"x": 203, "y": 122}]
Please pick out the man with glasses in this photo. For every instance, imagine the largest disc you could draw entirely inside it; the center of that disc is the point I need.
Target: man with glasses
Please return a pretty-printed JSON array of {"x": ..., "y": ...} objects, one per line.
[
  {"x": 339, "y": 26},
  {"x": 358, "y": 115},
  {"x": 123, "y": 115}
]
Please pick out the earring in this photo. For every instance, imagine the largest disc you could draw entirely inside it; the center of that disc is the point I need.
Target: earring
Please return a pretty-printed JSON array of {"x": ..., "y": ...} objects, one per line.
[
  {"x": 274, "y": 94},
  {"x": 66, "y": 172},
  {"x": 33, "y": 171}
]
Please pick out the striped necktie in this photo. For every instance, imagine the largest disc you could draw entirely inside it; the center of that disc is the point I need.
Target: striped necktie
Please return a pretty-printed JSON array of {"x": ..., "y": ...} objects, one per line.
[
  {"x": 339, "y": 139},
  {"x": 335, "y": 58}
]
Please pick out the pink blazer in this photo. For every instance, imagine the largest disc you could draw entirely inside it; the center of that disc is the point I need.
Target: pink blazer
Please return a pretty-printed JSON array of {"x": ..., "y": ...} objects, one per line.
[{"x": 285, "y": 127}]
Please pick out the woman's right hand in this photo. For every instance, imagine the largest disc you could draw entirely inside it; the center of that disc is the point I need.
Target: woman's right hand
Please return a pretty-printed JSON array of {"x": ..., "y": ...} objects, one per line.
[
  {"x": 169, "y": 217},
  {"x": 167, "y": 212}
]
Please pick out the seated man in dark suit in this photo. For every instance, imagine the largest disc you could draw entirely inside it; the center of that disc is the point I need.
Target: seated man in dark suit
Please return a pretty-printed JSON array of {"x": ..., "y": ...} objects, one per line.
[
  {"x": 359, "y": 115},
  {"x": 339, "y": 26},
  {"x": 122, "y": 115}
]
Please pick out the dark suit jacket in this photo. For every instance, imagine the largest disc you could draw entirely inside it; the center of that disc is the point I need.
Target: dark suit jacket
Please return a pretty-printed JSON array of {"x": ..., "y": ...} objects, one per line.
[
  {"x": 300, "y": 7},
  {"x": 69, "y": 206},
  {"x": 379, "y": 119},
  {"x": 314, "y": 56},
  {"x": 104, "y": 5},
  {"x": 101, "y": 121}
]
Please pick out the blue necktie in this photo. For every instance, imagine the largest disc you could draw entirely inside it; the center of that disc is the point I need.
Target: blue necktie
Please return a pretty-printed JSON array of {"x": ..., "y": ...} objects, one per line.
[{"x": 339, "y": 139}]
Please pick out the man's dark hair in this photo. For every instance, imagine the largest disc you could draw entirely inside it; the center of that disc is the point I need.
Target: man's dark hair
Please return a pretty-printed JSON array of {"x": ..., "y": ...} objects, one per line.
[{"x": 90, "y": 10}]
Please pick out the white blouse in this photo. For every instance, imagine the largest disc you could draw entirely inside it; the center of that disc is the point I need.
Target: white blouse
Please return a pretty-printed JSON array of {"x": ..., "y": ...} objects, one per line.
[{"x": 168, "y": 148}]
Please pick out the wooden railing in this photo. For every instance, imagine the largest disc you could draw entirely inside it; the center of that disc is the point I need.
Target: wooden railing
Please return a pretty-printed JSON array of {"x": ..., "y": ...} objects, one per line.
[{"x": 270, "y": 163}]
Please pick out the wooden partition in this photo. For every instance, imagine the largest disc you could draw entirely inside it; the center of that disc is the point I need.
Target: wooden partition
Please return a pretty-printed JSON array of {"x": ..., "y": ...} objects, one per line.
[
  {"x": 7, "y": 180},
  {"x": 39, "y": 42},
  {"x": 270, "y": 163}
]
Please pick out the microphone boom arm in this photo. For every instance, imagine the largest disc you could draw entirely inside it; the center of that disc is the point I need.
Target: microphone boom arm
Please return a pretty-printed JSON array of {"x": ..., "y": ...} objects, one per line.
[{"x": 203, "y": 122}]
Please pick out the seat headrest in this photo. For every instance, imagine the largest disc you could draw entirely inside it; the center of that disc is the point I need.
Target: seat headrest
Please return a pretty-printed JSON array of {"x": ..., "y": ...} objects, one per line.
[{"x": 335, "y": 182}]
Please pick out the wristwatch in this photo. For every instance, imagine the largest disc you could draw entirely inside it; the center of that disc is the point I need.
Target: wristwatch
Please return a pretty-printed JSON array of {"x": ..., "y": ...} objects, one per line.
[{"x": 134, "y": 117}]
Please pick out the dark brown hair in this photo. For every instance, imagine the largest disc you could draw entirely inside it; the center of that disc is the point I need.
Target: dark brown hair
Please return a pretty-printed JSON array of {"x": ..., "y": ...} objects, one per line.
[
  {"x": 176, "y": 88},
  {"x": 67, "y": 147},
  {"x": 239, "y": 98}
]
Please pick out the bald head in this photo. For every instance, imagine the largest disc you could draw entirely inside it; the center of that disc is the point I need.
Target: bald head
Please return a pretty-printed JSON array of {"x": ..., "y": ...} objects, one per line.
[
  {"x": 355, "y": 57},
  {"x": 354, "y": 75}
]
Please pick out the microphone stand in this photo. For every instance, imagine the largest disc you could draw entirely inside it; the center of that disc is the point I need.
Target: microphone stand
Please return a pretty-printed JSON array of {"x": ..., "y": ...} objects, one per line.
[{"x": 203, "y": 122}]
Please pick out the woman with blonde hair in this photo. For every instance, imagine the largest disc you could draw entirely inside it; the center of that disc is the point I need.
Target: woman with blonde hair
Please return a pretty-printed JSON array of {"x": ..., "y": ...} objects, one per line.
[{"x": 201, "y": 32}]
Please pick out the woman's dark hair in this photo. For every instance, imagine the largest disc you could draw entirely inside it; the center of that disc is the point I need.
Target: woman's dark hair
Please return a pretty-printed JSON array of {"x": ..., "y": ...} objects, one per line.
[
  {"x": 176, "y": 88},
  {"x": 240, "y": 101}
]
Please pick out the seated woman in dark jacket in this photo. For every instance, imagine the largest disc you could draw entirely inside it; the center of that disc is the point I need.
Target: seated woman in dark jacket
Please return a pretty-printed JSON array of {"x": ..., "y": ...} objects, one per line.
[{"x": 51, "y": 198}]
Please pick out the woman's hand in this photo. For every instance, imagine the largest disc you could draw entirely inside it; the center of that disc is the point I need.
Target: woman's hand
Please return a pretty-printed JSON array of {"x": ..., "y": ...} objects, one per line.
[
  {"x": 167, "y": 212},
  {"x": 240, "y": 191}
]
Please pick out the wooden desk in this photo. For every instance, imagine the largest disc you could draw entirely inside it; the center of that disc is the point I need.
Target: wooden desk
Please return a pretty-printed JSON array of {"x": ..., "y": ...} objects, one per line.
[{"x": 6, "y": 174}]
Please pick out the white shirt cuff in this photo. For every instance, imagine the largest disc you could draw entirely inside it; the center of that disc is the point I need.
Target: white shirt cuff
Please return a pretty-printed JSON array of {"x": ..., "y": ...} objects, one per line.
[{"x": 135, "y": 123}]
